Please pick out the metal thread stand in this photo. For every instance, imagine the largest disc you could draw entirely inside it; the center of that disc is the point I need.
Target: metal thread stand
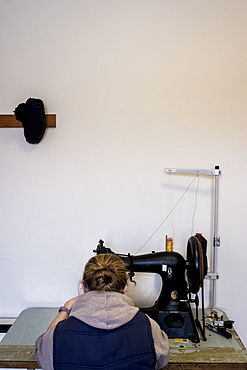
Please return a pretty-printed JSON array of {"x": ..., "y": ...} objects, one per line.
[{"x": 216, "y": 239}]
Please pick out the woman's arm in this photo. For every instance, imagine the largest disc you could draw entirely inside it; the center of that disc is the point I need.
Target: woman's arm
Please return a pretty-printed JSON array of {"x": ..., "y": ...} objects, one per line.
[
  {"x": 63, "y": 315},
  {"x": 161, "y": 345},
  {"x": 44, "y": 344}
]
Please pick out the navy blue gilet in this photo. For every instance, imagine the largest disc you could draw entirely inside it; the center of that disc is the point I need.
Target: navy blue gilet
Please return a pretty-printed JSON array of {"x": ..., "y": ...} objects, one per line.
[{"x": 78, "y": 346}]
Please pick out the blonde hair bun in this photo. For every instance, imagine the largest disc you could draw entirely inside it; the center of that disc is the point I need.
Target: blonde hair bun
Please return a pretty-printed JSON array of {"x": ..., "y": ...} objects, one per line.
[{"x": 105, "y": 272}]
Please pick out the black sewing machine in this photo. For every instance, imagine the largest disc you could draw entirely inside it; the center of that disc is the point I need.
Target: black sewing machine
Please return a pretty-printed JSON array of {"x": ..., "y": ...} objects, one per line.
[{"x": 172, "y": 310}]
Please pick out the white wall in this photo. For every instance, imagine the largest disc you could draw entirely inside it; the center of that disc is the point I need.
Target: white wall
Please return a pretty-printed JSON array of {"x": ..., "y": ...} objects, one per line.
[{"x": 137, "y": 86}]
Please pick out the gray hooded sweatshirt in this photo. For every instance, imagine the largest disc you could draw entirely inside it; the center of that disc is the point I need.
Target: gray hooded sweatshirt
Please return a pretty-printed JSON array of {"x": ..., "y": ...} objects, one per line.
[{"x": 103, "y": 310}]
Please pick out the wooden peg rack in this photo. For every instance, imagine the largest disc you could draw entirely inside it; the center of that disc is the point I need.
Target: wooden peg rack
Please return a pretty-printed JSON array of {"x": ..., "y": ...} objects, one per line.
[{"x": 8, "y": 120}]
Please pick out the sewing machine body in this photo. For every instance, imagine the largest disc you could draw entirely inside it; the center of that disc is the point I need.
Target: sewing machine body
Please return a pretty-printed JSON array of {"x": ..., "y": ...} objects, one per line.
[{"x": 171, "y": 268}]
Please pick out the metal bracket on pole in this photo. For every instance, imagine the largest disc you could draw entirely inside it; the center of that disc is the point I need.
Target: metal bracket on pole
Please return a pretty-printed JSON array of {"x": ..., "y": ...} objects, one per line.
[
  {"x": 212, "y": 276},
  {"x": 216, "y": 240}
]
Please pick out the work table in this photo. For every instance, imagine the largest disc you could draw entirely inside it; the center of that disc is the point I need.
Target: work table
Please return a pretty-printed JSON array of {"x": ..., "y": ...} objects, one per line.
[{"x": 17, "y": 348}]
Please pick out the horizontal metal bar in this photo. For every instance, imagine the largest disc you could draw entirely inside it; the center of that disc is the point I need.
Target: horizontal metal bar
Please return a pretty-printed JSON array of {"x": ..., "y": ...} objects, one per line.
[
  {"x": 215, "y": 172},
  {"x": 7, "y": 320}
]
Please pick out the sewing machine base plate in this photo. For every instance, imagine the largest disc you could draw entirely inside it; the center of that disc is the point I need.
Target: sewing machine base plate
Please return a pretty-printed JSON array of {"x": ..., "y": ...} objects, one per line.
[{"x": 176, "y": 325}]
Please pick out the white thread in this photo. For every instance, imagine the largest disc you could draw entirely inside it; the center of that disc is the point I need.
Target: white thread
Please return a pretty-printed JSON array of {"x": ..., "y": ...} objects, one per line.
[
  {"x": 167, "y": 215},
  {"x": 193, "y": 216}
]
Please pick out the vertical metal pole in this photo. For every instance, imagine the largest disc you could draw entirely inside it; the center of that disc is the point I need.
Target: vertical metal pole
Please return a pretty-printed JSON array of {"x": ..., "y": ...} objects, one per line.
[{"x": 216, "y": 241}]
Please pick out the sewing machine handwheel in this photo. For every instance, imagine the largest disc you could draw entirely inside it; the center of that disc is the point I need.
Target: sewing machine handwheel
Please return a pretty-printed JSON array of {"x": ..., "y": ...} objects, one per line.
[{"x": 195, "y": 269}]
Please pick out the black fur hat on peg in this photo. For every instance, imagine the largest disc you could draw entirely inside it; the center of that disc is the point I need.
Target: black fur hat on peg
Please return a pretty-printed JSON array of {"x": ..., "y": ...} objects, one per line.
[{"x": 32, "y": 116}]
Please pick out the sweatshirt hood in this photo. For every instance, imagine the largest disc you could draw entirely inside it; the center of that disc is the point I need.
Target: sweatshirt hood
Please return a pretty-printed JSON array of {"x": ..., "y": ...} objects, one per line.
[{"x": 104, "y": 310}]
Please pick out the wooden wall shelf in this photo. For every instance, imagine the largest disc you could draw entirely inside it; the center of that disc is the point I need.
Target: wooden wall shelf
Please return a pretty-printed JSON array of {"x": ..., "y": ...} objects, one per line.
[{"x": 8, "y": 120}]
